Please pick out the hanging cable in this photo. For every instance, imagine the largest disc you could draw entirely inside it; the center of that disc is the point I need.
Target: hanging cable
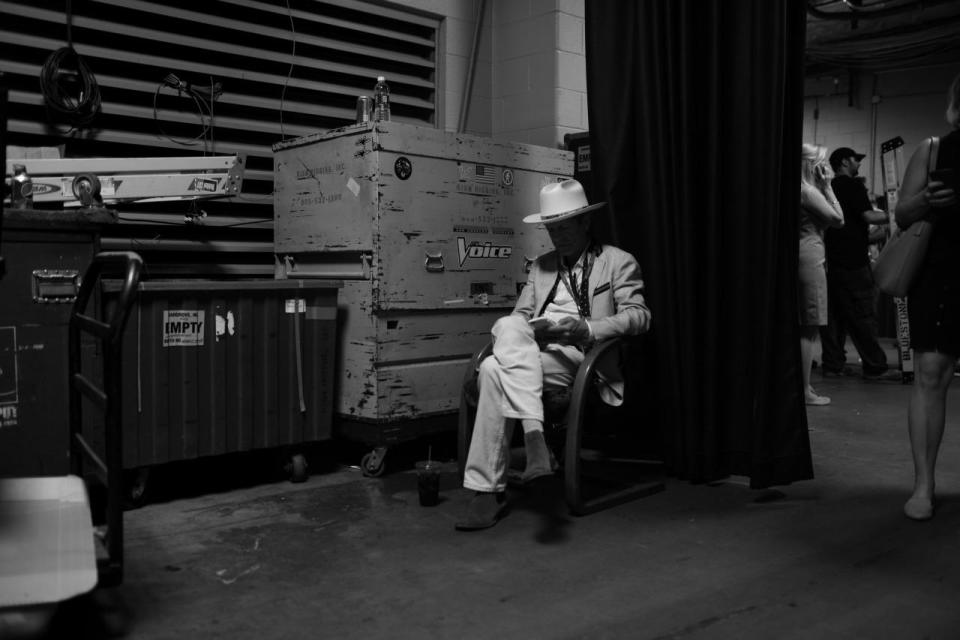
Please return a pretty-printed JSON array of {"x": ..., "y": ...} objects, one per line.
[
  {"x": 293, "y": 59},
  {"x": 69, "y": 88},
  {"x": 874, "y": 119},
  {"x": 203, "y": 98},
  {"x": 215, "y": 91}
]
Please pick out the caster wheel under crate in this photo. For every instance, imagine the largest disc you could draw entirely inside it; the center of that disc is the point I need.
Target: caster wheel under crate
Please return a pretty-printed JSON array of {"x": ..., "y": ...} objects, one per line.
[
  {"x": 372, "y": 464},
  {"x": 297, "y": 468}
]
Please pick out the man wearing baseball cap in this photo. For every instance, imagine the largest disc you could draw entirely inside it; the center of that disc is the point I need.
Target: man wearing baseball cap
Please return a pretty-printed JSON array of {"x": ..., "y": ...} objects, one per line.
[
  {"x": 850, "y": 288},
  {"x": 580, "y": 293}
]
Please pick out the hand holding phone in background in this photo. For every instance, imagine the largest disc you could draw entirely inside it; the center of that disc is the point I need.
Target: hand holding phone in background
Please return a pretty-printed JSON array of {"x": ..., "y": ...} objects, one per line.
[{"x": 823, "y": 172}]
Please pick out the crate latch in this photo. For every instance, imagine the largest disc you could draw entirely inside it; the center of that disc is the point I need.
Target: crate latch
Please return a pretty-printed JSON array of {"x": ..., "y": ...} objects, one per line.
[
  {"x": 434, "y": 263},
  {"x": 53, "y": 286}
]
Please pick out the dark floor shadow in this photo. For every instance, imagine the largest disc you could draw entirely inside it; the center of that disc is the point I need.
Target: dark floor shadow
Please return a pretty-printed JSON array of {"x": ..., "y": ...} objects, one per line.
[
  {"x": 544, "y": 497},
  {"x": 99, "y": 615}
]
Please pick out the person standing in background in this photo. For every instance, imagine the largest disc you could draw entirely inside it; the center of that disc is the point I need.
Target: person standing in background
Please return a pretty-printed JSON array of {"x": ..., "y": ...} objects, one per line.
[
  {"x": 818, "y": 210},
  {"x": 930, "y": 191},
  {"x": 850, "y": 286}
]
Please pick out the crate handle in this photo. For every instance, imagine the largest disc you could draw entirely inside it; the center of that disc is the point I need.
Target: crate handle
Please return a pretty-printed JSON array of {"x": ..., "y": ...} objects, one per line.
[
  {"x": 434, "y": 263},
  {"x": 55, "y": 285}
]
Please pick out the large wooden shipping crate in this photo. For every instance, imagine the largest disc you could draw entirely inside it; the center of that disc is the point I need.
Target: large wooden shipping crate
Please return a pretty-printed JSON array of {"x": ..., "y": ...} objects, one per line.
[{"x": 425, "y": 229}]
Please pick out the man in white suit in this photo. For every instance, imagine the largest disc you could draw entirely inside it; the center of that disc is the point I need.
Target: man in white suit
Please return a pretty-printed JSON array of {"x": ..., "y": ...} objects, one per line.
[{"x": 578, "y": 294}]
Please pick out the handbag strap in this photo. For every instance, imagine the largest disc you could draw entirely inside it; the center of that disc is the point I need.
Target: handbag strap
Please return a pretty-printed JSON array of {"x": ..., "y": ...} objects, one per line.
[
  {"x": 934, "y": 152},
  {"x": 932, "y": 215}
]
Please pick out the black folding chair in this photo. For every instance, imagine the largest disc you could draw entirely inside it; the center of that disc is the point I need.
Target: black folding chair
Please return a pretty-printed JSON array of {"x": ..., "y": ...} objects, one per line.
[{"x": 612, "y": 479}]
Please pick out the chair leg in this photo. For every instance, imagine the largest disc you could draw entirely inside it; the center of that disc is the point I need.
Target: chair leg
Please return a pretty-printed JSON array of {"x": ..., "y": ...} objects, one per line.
[
  {"x": 581, "y": 507},
  {"x": 464, "y": 432},
  {"x": 573, "y": 468}
]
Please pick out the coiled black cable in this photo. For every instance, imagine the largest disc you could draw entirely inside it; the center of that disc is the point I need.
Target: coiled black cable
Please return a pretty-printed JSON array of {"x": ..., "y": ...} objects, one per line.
[
  {"x": 204, "y": 99},
  {"x": 69, "y": 87}
]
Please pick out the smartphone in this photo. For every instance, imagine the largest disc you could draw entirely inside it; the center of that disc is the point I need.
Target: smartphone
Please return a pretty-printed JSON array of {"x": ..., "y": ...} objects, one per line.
[
  {"x": 947, "y": 176},
  {"x": 541, "y": 322}
]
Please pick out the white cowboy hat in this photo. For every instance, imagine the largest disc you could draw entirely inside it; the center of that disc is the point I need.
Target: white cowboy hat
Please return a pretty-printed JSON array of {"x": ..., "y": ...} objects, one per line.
[{"x": 561, "y": 201}]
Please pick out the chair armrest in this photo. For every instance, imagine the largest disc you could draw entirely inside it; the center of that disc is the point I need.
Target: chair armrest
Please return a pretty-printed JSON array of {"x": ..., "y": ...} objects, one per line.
[
  {"x": 577, "y": 410},
  {"x": 600, "y": 350}
]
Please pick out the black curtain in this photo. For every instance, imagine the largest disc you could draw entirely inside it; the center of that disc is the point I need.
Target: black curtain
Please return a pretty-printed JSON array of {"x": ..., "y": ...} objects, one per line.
[{"x": 695, "y": 111}]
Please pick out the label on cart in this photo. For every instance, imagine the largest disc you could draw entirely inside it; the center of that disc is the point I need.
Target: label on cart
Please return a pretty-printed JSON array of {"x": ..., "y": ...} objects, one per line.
[
  {"x": 295, "y": 305},
  {"x": 183, "y": 328},
  {"x": 8, "y": 377}
]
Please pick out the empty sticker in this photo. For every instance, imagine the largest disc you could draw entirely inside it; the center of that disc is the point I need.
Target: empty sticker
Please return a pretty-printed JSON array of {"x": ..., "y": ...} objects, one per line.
[{"x": 183, "y": 328}]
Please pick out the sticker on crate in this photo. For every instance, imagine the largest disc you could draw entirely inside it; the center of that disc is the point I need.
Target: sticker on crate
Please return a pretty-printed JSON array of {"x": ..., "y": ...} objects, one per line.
[
  {"x": 487, "y": 250},
  {"x": 583, "y": 158},
  {"x": 295, "y": 305},
  {"x": 225, "y": 325},
  {"x": 478, "y": 179},
  {"x": 183, "y": 328}
]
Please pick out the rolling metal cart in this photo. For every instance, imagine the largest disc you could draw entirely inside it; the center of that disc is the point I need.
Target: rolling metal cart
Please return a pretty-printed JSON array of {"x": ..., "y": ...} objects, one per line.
[{"x": 54, "y": 544}]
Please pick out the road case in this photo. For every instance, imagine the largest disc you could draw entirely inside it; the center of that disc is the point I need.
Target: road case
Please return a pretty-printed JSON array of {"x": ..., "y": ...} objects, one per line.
[
  {"x": 44, "y": 257},
  {"x": 425, "y": 229}
]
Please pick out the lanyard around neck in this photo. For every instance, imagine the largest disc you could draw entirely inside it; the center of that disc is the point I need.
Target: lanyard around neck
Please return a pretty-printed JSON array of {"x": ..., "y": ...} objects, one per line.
[{"x": 580, "y": 294}]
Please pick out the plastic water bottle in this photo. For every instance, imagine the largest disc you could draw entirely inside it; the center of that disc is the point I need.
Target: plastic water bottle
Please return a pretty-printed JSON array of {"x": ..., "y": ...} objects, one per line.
[{"x": 381, "y": 99}]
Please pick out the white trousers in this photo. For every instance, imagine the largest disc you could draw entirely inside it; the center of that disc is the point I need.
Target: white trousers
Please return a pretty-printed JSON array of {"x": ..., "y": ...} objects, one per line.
[{"x": 511, "y": 384}]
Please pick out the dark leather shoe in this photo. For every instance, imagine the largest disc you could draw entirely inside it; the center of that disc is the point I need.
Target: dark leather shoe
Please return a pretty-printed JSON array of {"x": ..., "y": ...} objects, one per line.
[
  {"x": 890, "y": 375},
  {"x": 483, "y": 511},
  {"x": 845, "y": 372}
]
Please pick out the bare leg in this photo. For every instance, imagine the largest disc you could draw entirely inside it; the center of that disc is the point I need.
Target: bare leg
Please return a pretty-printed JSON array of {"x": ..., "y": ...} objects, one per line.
[
  {"x": 808, "y": 342},
  {"x": 928, "y": 402},
  {"x": 538, "y": 454}
]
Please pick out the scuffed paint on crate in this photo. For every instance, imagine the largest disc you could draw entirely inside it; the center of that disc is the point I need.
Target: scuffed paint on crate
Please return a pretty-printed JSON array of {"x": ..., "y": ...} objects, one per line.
[{"x": 440, "y": 216}]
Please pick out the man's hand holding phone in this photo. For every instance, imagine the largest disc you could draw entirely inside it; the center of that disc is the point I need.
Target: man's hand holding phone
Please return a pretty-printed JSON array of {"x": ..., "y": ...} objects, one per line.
[
  {"x": 540, "y": 323},
  {"x": 567, "y": 330}
]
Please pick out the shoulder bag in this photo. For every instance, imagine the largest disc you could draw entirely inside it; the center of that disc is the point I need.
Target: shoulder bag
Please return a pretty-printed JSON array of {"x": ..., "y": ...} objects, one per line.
[{"x": 903, "y": 254}]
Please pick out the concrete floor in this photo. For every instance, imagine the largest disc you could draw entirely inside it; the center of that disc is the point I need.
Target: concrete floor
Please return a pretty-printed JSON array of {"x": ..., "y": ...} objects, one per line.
[{"x": 344, "y": 556}]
